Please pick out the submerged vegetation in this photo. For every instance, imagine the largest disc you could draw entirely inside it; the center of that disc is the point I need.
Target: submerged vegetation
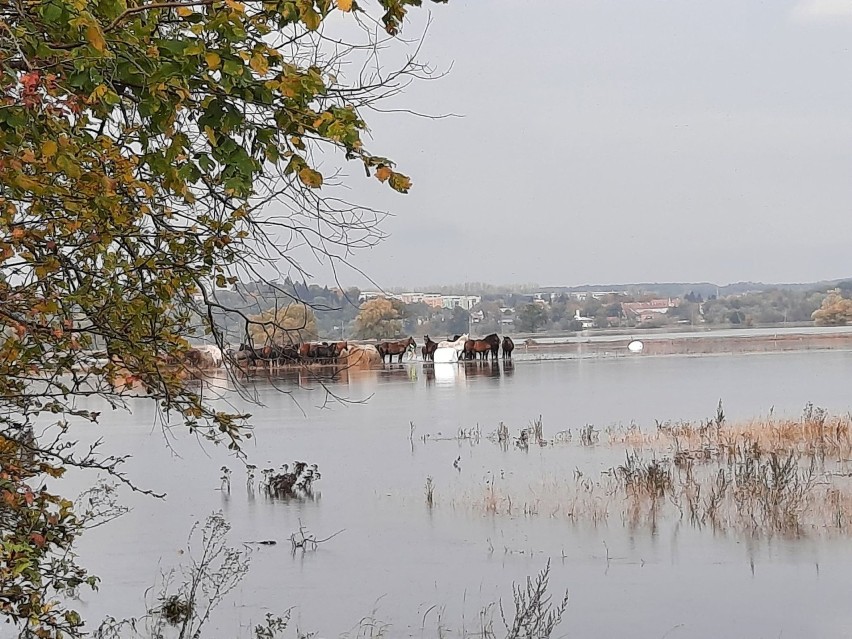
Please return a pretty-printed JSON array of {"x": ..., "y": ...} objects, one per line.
[
  {"x": 188, "y": 596},
  {"x": 766, "y": 476}
]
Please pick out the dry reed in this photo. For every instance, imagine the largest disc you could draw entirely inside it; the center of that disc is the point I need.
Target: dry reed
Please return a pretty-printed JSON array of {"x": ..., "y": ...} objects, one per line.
[{"x": 766, "y": 476}]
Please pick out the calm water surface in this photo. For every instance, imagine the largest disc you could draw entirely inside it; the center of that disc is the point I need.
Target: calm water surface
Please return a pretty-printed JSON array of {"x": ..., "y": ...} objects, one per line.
[{"x": 402, "y": 558}]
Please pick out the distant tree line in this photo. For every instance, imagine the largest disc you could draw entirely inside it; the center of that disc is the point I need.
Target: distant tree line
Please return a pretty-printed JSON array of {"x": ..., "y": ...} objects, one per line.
[{"x": 318, "y": 312}]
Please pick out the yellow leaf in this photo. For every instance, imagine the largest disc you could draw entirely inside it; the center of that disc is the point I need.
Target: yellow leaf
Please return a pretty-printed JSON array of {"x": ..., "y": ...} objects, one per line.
[
  {"x": 400, "y": 182},
  {"x": 259, "y": 64},
  {"x": 236, "y": 6},
  {"x": 97, "y": 94},
  {"x": 48, "y": 149},
  {"x": 383, "y": 173},
  {"x": 310, "y": 178},
  {"x": 28, "y": 156},
  {"x": 28, "y": 184},
  {"x": 344, "y": 5},
  {"x": 95, "y": 37},
  {"x": 211, "y": 135},
  {"x": 213, "y": 60},
  {"x": 184, "y": 11}
]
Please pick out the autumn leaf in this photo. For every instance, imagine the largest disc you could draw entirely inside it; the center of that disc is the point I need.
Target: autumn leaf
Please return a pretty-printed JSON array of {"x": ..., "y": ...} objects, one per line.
[
  {"x": 259, "y": 64},
  {"x": 97, "y": 94},
  {"x": 48, "y": 149},
  {"x": 310, "y": 178},
  {"x": 400, "y": 182},
  {"x": 95, "y": 37},
  {"x": 383, "y": 173},
  {"x": 311, "y": 18},
  {"x": 344, "y": 5},
  {"x": 213, "y": 60}
]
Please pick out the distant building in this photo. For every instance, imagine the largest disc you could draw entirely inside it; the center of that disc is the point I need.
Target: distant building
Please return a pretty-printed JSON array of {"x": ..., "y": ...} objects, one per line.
[
  {"x": 430, "y": 299},
  {"x": 582, "y": 296},
  {"x": 370, "y": 295},
  {"x": 586, "y": 322},
  {"x": 463, "y": 301},
  {"x": 411, "y": 298},
  {"x": 650, "y": 310},
  {"x": 435, "y": 301}
]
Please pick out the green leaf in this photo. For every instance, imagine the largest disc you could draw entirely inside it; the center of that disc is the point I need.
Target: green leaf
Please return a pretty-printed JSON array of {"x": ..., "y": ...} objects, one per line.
[{"x": 232, "y": 67}]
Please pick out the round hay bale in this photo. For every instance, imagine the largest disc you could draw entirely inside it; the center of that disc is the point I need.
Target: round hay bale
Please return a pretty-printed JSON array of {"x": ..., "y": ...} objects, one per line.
[{"x": 362, "y": 356}]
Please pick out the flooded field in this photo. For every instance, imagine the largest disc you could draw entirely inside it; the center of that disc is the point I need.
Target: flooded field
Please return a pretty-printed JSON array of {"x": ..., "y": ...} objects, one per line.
[{"x": 379, "y": 436}]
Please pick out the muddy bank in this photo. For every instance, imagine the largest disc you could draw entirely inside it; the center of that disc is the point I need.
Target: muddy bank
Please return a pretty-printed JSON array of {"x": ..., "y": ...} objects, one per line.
[{"x": 692, "y": 345}]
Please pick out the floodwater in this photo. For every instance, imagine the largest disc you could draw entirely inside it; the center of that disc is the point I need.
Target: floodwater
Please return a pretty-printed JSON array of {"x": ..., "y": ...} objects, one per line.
[{"x": 420, "y": 568}]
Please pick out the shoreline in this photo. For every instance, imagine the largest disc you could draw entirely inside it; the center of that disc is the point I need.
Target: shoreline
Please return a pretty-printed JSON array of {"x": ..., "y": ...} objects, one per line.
[{"x": 693, "y": 344}]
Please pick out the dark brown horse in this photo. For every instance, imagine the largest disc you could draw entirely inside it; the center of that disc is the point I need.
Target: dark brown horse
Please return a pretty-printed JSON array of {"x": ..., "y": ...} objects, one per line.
[
  {"x": 508, "y": 347},
  {"x": 390, "y": 349},
  {"x": 319, "y": 353},
  {"x": 274, "y": 355},
  {"x": 429, "y": 348},
  {"x": 482, "y": 347}
]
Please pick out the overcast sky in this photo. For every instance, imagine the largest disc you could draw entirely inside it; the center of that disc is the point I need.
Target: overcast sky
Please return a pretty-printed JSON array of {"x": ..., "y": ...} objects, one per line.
[{"x": 607, "y": 141}]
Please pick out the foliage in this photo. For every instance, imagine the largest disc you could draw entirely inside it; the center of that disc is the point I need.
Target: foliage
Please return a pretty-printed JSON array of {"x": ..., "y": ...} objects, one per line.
[
  {"x": 378, "y": 319},
  {"x": 459, "y": 321},
  {"x": 139, "y": 144},
  {"x": 293, "y": 324},
  {"x": 531, "y": 318},
  {"x": 834, "y": 311},
  {"x": 769, "y": 307},
  {"x": 38, "y": 530}
]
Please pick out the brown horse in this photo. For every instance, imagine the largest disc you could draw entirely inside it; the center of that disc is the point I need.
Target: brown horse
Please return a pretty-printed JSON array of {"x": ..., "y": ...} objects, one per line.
[
  {"x": 508, "y": 347},
  {"x": 482, "y": 347},
  {"x": 395, "y": 348},
  {"x": 319, "y": 353},
  {"x": 429, "y": 348}
]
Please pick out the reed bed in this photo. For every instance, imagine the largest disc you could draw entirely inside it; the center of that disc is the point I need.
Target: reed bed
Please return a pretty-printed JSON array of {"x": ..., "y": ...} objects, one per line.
[
  {"x": 768, "y": 476},
  {"x": 768, "y": 498},
  {"x": 815, "y": 433}
]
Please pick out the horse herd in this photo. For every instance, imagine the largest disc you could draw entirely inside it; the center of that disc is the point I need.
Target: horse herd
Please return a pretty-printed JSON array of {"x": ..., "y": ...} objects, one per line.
[
  {"x": 488, "y": 345},
  {"x": 273, "y": 355},
  {"x": 331, "y": 352}
]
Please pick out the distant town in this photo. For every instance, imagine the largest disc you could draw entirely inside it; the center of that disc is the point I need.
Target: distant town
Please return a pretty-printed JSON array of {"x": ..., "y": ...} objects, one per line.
[{"x": 351, "y": 313}]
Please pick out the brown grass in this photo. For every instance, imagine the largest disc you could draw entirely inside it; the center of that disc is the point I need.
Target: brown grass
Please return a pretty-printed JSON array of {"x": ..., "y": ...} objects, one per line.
[
  {"x": 766, "y": 476},
  {"x": 815, "y": 433}
]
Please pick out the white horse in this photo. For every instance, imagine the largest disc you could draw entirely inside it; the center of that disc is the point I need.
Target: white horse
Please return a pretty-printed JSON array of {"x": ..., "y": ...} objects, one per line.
[
  {"x": 450, "y": 351},
  {"x": 214, "y": 352}
]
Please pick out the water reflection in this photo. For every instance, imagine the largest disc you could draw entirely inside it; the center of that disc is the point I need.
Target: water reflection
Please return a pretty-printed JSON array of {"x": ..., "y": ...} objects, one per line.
[
  {"x": 431, "y": 373},
  {"x": 483, "y": 368}
]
